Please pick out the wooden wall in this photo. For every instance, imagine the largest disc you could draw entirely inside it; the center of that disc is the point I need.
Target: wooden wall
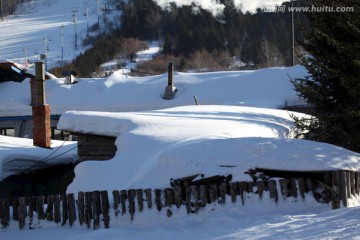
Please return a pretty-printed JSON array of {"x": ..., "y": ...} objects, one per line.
[{"x": 94, "y": 147}]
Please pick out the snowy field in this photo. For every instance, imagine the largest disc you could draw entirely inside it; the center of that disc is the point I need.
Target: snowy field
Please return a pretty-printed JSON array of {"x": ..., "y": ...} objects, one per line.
[{"x": 237, "y": 124}]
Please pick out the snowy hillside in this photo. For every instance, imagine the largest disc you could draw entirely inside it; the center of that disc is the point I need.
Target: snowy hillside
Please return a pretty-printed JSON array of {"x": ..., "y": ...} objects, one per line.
[{"x": 36, "y": 29}]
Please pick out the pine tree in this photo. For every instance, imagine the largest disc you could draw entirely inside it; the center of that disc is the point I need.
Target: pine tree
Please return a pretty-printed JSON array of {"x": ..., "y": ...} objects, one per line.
[{"x": 333, "y": 87}]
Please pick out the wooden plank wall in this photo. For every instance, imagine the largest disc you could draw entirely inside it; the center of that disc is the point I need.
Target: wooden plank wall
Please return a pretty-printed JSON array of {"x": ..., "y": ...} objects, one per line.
[
  {"x": 92, "y": 209},
  {"x": 93, "y": 147}
]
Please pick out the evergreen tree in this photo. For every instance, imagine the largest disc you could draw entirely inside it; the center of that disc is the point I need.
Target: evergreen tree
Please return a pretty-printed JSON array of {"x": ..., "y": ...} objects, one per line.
[{"x": 333, "y": 87}]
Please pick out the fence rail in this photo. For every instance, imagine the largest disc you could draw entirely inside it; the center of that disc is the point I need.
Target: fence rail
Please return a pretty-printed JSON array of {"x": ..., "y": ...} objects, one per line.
[{"x": 93, "y": 208}]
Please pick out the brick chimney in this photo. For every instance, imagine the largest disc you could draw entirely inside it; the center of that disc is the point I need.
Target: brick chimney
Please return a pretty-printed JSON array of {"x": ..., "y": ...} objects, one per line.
[{"x": 40, "y": 110}]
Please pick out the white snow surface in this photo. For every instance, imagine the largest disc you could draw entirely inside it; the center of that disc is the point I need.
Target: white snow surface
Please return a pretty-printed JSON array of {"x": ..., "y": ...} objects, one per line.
[
  {"x": 267, "y": 88},
  {"x": 155, "y": 146}
]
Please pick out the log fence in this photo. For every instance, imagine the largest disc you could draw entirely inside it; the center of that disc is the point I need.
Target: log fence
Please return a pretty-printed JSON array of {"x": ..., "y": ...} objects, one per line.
[{"x": 92, "y": 209}]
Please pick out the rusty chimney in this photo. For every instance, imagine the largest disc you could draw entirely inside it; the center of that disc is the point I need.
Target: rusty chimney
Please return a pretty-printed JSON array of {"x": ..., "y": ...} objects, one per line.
[
  {"x": 170, "y": 89},
  {"x": 40, "y": 110}
]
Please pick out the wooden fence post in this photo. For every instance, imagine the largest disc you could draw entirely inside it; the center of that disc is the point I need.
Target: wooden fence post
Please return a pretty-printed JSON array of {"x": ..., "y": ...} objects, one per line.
[
  {"x": 32, "y": 207},
  {"x": 88, "y": 208},
  {"x": 352, "y": 183},
  {"x": 242, "y": 190},
  {"x": 57, "y": 214},
  {"x": 284, "y": 188},
  {"x": 15, "y": 207},
  {"x": 40, "y": 207},
  {"x": 105, "y": 206},
  {"x": 260, "y": 186},
  {"x": 96, "y": 205},
  {"x": 343, "y": 188},
  {"x": 188, "y": 198},
  {"x": 357, "y": 182},
  {"x": 223, "y": 191},
  {"x": 234, "y": 190},
  {"x": 140, "y": 199},
  {"x": 302, "y": 187},
  {"x": 71, "y": 208},
  {"x": 148, "y": 193},
  {"x": 169, "y": 197},
  {"x": 4, "y": 212},
  {"x": 272, "y": 190},
  {"x": 65, "y": 213},
  {"x": 348, "y": 184},
  {"x": 336, "y": 193},
  {"x": 22, "y": 212},
  {"x": 214, "y": 192},
  {"x": 131, "y": 196},
  {"x": 178, "y": 196},
  {"x": 158, "y": 199},
  {"x": 49, "y": 212},
  {"x": 81, "y": 208},
  {"x": 123, "y": 197}
]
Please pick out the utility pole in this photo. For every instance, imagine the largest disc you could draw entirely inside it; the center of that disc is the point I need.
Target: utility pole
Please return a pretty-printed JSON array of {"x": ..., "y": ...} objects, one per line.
[
  {"x": 74, "y": 11},
  {"x": 87, "y": 20},
  {"x": 292, "y": 35},
  {"x": 98, "y": 11},
  {"x": 62, "y": 42}
]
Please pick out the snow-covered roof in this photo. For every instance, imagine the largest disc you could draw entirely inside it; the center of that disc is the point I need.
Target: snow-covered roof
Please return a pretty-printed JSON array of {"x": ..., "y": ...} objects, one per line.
[
  {"x": 155, "y": 146},
  {"x": 118, "y": 93}
]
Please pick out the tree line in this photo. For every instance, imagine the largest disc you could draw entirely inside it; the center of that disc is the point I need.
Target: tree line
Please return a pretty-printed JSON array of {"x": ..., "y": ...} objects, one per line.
[{"x": 187, "y": 33}]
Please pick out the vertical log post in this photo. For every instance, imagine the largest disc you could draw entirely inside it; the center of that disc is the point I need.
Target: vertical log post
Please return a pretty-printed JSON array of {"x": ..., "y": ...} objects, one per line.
[
  {"x": 158, "y": 199},
  {"x": 105, "y": 206},
  {"x": 123, "y": 197},
  {"x": 336, "y": 193},
  {"x": 260, "y": 186},
  {"x": 302, "y": 187},
  {"x": 140, "y": 199},
  {"x": 283, "y": 187},
  {"x": 65, "y": 211},
  {"x": 148, "y": 193},
  {"x": 131, "y": 196},
  {"x": 343, "y": 188},
  {"x": 49, "y": 213},
  {"x": 242, "y": 190},
  {"x": 15, "y": 207},
  {"x": 71, "y": 207},
  {"x": 116, "y": 198},
  {"x": 214, "y": 192},
  {"x": 22, "y": 212},
  {"x": 81, "y": 207},
  {"x": 96, "y": 205},
  {"x": 40, "y": 207},
  {"x": 272, "y": 190},
  {"x": 223, "y": 191},
  {"x": 57, "y": 214},
  {"x": 88, "y": 208},
  {"x": 178, "y": 196}
]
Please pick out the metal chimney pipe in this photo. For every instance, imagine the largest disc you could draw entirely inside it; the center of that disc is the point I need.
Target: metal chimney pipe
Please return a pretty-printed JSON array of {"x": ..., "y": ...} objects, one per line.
[{"x": 170, "y": 74}]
